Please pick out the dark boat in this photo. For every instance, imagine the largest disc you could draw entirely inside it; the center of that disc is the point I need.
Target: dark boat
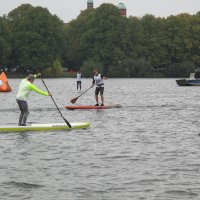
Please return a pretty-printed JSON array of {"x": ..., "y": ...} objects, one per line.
[{"x": 189, "y": 82}]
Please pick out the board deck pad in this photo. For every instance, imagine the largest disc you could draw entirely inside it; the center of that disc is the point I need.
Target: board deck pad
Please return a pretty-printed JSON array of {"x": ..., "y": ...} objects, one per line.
[{"x": 44, "y": 127}]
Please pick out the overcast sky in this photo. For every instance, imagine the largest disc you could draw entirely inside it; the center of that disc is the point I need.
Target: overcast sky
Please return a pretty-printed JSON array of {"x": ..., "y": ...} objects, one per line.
[{"x": 67, "y": 10}]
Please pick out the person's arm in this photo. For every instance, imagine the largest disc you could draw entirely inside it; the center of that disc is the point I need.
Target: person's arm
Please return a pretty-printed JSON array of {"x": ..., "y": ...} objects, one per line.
[
  {"x": 104, "y": 77},
  {"x": 93, "y": 82},
  {"x": 34, "y": 88}
]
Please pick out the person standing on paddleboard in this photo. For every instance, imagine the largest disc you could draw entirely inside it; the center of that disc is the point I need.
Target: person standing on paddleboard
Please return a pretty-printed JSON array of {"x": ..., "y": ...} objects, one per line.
[
  {"x": 78, "y": 80},
  {"x": 26, "y": 86},
  {"x": 98, "y": 80}
]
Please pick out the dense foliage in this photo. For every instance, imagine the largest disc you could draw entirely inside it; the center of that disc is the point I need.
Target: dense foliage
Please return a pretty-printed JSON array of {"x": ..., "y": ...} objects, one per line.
[
  {"x": 37, "y": 38},
  {"x": 32, "y": 39}
]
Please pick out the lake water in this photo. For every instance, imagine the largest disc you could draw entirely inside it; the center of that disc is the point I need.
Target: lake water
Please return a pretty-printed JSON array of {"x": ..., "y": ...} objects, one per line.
[{"x": 148, "y": 149}]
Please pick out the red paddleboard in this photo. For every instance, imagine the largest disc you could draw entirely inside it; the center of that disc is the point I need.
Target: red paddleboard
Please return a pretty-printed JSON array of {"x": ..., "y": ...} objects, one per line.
[{"x": 93, "y": 107}]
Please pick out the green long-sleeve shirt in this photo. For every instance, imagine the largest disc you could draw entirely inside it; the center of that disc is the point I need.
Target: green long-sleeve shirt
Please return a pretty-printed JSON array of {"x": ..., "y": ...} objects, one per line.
[{"x": 25, "y": 88}]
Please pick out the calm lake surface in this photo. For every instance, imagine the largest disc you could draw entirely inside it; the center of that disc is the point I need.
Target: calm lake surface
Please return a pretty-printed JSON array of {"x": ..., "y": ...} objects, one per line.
[{"x": 148, "y": 149}]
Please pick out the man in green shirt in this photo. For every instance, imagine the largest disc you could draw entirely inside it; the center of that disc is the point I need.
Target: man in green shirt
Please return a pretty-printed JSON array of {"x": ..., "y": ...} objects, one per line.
[{"x": 26, "y": 86}]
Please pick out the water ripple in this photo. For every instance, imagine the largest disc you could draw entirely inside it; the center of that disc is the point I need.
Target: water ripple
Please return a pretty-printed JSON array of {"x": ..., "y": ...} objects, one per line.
[
  {"x": 22, "y": 185},
  {"x": 147, "y": 150}
]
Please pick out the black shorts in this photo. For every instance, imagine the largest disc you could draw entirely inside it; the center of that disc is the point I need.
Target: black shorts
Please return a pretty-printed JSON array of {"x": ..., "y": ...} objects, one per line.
[{"x": 99, "y": 89}]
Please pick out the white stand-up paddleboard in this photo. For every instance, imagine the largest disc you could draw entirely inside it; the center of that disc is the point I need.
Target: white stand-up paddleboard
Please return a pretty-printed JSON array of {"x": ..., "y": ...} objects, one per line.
[{"x": 44, "y": 127}]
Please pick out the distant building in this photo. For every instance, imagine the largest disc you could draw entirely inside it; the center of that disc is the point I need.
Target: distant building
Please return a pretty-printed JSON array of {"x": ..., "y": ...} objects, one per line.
[
  {"x": 120, "y": 6},
  {"x": 89, "y": 4},
  {"x": 122, "y": 9}
]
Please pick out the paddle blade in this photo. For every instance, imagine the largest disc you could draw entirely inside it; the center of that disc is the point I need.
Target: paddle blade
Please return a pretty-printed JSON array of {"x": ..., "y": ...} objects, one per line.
[{"x": 74, "y": 100}]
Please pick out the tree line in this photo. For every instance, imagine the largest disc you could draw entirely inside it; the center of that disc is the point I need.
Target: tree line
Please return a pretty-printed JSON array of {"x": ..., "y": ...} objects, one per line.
[{"x": 32, "y": 40}]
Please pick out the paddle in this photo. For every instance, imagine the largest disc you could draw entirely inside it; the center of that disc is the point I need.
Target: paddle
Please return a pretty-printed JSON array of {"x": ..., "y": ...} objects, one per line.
[
  {"x": 75, "y": 99},
  {"x": 68, "y": 124}
]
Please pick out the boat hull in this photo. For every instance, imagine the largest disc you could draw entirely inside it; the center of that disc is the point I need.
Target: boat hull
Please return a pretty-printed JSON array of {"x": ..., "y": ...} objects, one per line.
[
  {"x": 185, "y": 82},
  {"x": 44, "y": 127}
]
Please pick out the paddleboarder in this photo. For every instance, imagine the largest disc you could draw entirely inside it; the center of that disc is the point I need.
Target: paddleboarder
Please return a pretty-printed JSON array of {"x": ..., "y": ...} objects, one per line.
[
  {"x": 26, "y": 86},
  {"x": 78, "y": 80},
  {"x": 98, "y": 80}
]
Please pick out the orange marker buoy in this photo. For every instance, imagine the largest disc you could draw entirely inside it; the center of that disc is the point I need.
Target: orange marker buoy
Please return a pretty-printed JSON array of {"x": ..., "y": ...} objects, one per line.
[{"x": 4, "y": 86}]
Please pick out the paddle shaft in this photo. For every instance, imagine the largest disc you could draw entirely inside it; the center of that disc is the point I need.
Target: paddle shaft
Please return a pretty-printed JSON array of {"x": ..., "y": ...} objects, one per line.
[
  {"x": 75, "y": 99},
  {"x": 56, "y": 105},
  {"x": 84, "y": 92}
]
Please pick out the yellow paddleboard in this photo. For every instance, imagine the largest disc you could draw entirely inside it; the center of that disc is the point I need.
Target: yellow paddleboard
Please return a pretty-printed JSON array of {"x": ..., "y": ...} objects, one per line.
[{"x": 44, "y": 127}]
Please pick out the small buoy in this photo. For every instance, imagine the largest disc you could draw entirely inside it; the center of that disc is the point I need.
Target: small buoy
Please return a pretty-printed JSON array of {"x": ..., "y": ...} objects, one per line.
[{"x": 4, "y": 86}]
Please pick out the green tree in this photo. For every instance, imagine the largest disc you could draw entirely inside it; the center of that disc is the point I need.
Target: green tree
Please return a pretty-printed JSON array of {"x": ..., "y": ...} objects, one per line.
[
  {"x": 182, "y": 69},
  {"x": 5, "y": 42},
  {"x": 194, "y": 36},
  {"x": 89, "y": 66},
  {"x": 136, "y": 38},
  {"x": 55, "y": 71},
  {"x": 34, "y": 39},
  {"x": 38, "y": 37},
  {"x": 100, "y": 35},
  {"x": 153, "y": 48},
  {"x": 74, "y": 54},
  {"x": 178, "y": 34}
]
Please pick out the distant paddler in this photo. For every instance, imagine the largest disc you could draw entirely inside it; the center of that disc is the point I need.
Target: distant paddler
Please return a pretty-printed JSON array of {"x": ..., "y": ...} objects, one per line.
[
  {"x": 78, "y": 79},
  {"x": 26, "y": 86}
]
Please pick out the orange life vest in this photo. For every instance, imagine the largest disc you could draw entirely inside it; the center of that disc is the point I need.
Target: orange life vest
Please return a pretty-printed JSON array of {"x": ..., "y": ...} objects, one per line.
[{"x": 4, "y": 86}]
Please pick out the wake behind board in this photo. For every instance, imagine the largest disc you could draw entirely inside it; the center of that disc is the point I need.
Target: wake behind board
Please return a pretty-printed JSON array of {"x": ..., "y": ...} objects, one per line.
[
  {"x": 44, "y": 127},
  {"x": 87, "y": 107}
]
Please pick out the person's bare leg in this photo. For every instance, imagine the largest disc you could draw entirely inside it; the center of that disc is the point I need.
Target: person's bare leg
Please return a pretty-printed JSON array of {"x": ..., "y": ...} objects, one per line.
[
  {"x": 97, "y": 99},
  {"x": 102, "y": 99}
]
